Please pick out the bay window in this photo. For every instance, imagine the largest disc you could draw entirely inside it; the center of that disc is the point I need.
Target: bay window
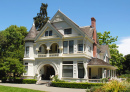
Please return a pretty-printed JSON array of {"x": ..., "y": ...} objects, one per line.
[
  {"x": 68, "y": 46},
  {"x": 80, "y": 45}
]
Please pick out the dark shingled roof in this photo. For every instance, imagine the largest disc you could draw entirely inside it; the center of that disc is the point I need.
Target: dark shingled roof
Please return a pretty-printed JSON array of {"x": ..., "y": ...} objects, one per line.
[
  {"x": 103, "y": 48},
  {"x": 87, "y": 30},
  {"x": 96, "y": 61},
  {"x": 32, "y": 33}
]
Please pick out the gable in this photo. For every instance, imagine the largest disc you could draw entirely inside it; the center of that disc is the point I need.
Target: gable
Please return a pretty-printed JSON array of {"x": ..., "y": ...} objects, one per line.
[
  {"x": 48, "y": 27},
  {"x": 61, "y": 22}
]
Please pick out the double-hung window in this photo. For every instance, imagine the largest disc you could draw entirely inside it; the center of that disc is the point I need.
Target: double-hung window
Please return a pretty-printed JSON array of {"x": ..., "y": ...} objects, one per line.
[
  {"x": 27, "y": 51},
  {"x": 67, "y": 69},
  {"x": 26, "y": 69},
  {"x": 68, "y": 31},
  {"x": 80, "y": 45},
  {"x": 48, "y": 33},
  {"x": 89, "y": 48},
  {"x": 68, "y": 46}
]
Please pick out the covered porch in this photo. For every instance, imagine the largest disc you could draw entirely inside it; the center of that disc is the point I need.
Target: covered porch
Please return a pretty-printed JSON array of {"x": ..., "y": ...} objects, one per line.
[{"x": 98, "y": 69}]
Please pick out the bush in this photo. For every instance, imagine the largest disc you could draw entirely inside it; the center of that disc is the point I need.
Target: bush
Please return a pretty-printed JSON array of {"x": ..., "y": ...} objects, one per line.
[
  {"x": 113, "y": 86},
  {"x": 23, "y": 81},
  {"x": 4, "y": 80},
  {"x": 29, "y": 81},
  {"x": 128, "y": 80},
  {"x": 104, "y": 80},
  {"x": 75, "y": 85},
  {"x": 125, "y": 76}
]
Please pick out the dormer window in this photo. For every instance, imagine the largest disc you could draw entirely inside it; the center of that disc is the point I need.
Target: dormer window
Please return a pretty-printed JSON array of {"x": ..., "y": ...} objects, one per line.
[
  {"x": 68, "y": 31},
  {"x": 48, "y": 33}
]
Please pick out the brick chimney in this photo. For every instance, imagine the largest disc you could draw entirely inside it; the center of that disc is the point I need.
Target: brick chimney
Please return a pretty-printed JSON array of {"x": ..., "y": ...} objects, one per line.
[{"x": 93, "y": 24}]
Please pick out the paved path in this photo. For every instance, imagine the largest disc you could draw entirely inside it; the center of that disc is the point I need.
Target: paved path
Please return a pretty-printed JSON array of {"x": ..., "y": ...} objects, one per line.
[{"x": 43, "y": 87}]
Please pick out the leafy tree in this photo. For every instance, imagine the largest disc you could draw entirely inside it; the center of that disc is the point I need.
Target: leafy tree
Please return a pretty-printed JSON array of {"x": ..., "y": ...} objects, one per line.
[
  {"x": 105, "y": 39},
  {"x": 12, "y": 49},
  {"x": 116, "y": 58},
  {"x": 41, "y": 18},
  {"x": 126, "y": 65}
]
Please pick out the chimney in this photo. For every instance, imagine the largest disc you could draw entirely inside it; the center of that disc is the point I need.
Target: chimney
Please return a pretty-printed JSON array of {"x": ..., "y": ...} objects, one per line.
[{"x": 93, "y": 24}]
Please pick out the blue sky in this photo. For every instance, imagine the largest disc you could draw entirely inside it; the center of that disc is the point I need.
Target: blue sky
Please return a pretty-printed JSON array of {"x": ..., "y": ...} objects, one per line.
[{"x": 111, "y": 15}]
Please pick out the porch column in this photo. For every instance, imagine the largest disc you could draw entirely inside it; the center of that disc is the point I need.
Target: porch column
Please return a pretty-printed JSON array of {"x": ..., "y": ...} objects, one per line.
[
  {"x": 115, "y": 73},
  {"x": 48, "y": 52},
  {"x": 111, "y": 73},
  {"x": 86, "y": 70},
  {"x": 102, "y": 72},
  {"x": 75, "y": 69},
  {"x": 60, "y": 51}
]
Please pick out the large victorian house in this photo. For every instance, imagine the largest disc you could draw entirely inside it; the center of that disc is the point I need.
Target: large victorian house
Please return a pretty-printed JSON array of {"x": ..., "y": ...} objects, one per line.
[{"x": 63, "y": 48}]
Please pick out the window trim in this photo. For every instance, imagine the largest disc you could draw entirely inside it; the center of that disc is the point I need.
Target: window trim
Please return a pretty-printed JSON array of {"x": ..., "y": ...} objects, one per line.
[
  {"x": 66, "y": 33},
  {"x": 68, "y": 49},
  {"x": 48, "y": 33},
  {"x": 27, "y": 54},
  {"x": 68, "y": 65}
]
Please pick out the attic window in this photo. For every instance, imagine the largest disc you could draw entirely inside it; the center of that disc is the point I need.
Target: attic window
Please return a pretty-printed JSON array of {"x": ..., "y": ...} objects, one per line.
[
  {"x": 48, "y": 33},
  {"x": 68, "y": 31}
]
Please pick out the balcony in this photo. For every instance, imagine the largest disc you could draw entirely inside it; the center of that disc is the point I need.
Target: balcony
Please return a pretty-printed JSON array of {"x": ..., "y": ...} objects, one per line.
[{"x": 48, "y": 55}]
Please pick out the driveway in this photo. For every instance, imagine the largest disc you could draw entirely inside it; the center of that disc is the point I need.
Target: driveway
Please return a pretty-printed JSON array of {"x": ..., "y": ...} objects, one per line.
[{"x": 43, "y": 87}]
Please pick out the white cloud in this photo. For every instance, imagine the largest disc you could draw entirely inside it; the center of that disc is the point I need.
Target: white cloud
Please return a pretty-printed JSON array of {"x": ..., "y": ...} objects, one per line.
[{"x": 124, "y": 46}]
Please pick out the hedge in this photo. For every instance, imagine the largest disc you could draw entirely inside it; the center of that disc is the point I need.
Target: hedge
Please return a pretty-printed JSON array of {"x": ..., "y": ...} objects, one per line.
[
  {"x": 22, "y": 81},
  {"x": 75, "y": 85}
]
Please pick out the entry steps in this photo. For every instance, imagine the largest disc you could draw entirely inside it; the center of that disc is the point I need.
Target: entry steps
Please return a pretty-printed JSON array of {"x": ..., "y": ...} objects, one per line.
[{"x": 42, "y": 82}]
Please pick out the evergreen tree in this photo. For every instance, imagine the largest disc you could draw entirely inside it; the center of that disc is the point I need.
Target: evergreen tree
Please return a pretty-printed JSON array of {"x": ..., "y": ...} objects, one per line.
[{"x": 41, "y": 18}]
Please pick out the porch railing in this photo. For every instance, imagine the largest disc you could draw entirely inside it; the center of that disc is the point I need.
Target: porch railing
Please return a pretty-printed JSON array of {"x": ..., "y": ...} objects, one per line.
[{"x": 94, "y": 80}]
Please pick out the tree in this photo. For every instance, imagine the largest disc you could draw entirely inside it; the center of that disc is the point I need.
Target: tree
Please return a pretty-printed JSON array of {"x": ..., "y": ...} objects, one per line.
[
  {"x": 126, "y": 65},
  {"x": 105, "y": 39},
  {"x": 116, "y": 58},
  {"x": 41, "y": 18},
  {"x": 12, "y": 49}
]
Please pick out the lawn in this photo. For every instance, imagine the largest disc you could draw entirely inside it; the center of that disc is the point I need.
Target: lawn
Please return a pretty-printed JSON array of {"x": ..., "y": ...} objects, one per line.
[{"x": 15, "y": 89}]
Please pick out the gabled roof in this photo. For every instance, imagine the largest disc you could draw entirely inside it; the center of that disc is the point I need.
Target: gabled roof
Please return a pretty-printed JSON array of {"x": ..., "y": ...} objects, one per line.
[
  {"x": 32, "y": 33},
  {"x": 103, "y": 48},
  {"x": 96, "y": 61},
  {"x": 88, "y": 31},
  {"x": 48, "y": 24}
]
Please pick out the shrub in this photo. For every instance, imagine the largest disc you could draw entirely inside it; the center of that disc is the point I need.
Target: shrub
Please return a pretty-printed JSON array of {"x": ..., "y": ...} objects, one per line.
[
  {"x": 29, "y": 81},
  {"x": 113, "y": 86},
  {"x": 75, "y": 85},
  {"x": 128, "y": 80},
  {"x": 125, "y": 76},
  {"x": 4, "y": 80},
  {"x": 104, "y": 80},
  {"x": 56, "y": 79}
]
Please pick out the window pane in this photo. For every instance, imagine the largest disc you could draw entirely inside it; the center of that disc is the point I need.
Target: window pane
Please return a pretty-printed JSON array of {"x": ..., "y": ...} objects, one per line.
[
  {"x": 50, "y": 33},
  {"x": 27, "y": 51},
  {"x": 80, "y": 70},
  {"x": 65, "y": 47},
  {"x": 67, "y": 62},
  {"x": 68, "y": 31},
  {"x": 80, "y": 47},
  {"x": 71, "y": 46},
  {"x": 26, "y": 69},
  {"x": 46, "y": 33},
  {"x": 67, "y": 71}
]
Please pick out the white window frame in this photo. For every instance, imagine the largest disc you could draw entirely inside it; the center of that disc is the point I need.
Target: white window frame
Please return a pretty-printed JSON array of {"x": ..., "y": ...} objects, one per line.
[
  {"x": 25, "y": 68},
  {"x": 48, "y": 33},
  {"x": 67, "y": 65},
  {"x": 68, "y": 47}
]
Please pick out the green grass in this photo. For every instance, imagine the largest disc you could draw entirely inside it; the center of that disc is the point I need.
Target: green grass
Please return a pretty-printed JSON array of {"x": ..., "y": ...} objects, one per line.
[{"x": 15, "y": 89}]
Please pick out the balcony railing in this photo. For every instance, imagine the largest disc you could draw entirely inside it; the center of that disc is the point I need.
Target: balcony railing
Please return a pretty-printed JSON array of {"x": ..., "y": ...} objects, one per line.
[{"x": 48, "y": 55}]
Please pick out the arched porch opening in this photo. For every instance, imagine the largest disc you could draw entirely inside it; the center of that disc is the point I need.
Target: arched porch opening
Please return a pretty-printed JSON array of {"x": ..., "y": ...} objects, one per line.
[
  {"x": 42, "y": 49},
  {"x": 54, "y": 48},
  {"x": 46, "y": 71}
]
